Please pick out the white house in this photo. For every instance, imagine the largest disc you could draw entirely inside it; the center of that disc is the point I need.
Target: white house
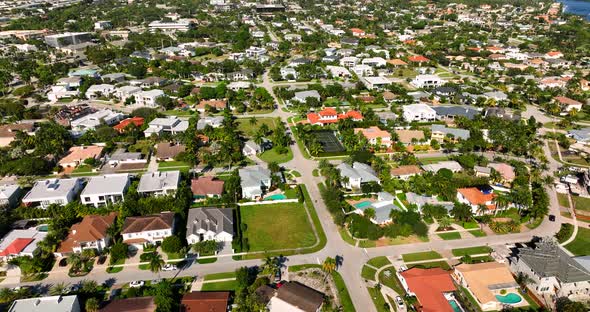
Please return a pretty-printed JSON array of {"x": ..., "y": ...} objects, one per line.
[
  {"x": 91, "y": 121},
  {"x": 105, "y": 189},
  {"x": 170, "y": 124},
  {"x": 148, "y": 98},
  {"x": 357, "y": 174},
  {"x": 18, "y": 243},
  {"x": 374, "y": 61},
  {"x": 475, "y": 198},
  {"x": 302, "y": 96},
  {"x": 362, "y": 70},
  {"x": 9, "y": 195},
  {"x": 47, "y": 304},
  {"x": 377, "y": 82},
  {"x": 159, "y": 183},
  {"x": 418, "y": 112},
  {"x": 142, "y": 230},
  {"x": 125, "y": 92},
  {"x": 205, "y": 224},
  {"x": 427, "y": 81},
  {"x": 338, "y": 71},
  {"x": 349, "y": 61},
  {"x": 288, "y": 73},
  {"x": 254, "y": 180},
  {"x": 53, "y": 191},
  {"x": 99, "y": 90}
]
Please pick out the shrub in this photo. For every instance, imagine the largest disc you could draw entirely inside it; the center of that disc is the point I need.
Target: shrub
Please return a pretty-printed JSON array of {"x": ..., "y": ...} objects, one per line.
[{"x": 172, "y": 244}]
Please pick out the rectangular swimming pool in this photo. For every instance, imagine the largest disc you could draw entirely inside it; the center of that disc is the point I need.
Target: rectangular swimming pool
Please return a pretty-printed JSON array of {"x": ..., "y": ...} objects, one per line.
[{"x": 363, "y": 204}]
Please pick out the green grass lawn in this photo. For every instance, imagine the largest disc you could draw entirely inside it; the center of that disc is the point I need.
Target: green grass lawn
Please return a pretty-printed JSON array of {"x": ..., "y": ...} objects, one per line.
[
  {"x": 368, "y": 273},
  {"x": 450, "y": 236},
  {"x": 460, "y": 252},
  {"x": 581, "y": 244},
  {"x": 219, "y": 286},
  {"x": 469, "y": 225},
  {"x": 379, "y": 262},
  {"x": 421, "y": 256},
  {"x": 391, "y": 281},
  {"x": 378, "y": 300},
  {"x": 178, "y": 112},
  {"x": 249, "y": 129},
  {"x": 581, "y": 203},
  {"x": 563, "y": 200},
  {"x": 345, "y": 236},
  {"x": 277, "y": 226},
  {"x": 216, "y": 276},
  {"x": 168, "y": 164},
  {"x": 435, "y": 264},
  {"x": 83, "y": 169},
  {"x": 113, "y": 270},
  {"x": 478, "y": 233},
  {"x": 206, "y": 260},
  {"x": 345, "y": 300},
  {"x": 272, "y": 156}
]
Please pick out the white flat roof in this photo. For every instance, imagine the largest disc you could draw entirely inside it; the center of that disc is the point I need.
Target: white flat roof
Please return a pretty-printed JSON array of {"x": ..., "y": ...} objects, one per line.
[{"x": 106, "y": 184}]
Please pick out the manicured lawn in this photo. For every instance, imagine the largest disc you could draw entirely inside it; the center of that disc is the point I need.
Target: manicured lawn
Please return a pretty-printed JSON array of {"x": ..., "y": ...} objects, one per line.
[
  {"x": 378, "y": 300},
  {"x": 206, "y": 260},
  {"x": 450, "y": 236},
  {"x": 421, "y": 256},
  {"x": 428, "y": 265},
  {"x": 277, "y": 226},
  {"x": 144, "y": 266},
  {"x": 227, "y": 286},
  {"x": 533, "y": 304},
  {"x": 216, "y": 276},
  {"x": 581, "y": 203},
  {"x": 469, "y": 225},
  {"x": 345, "y": 236},
  {"x": 478, "y": 233},
  {"x": 563, "y": 200},
  {"x": 368, "y": 273},
  {"x": 345, "y": 301},
  {"x": 379, "y": 262},
  {"x": 301, "y": 267},
  {"x": 112, "y": 270},
  {"x": 367, "y": 243},
  {"x": 460, "y": 252},
  {"x": 83, "y": 169},
  {"x": 249, "y": 129},
  {"x": 391, "y": 281},
  {"x": 178, "y": 112},
  {"x": 168, "y": 164},
  {"x": 581, "y": 244},
  {"x": 272, "y": 156}
]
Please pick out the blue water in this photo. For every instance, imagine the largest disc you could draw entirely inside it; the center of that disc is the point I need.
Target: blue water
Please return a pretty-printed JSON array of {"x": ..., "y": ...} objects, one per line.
[
  {"x": 455, "y": 306},
  {"x": 43, "y": 228},
  {"x": 363, "y": 204},
  {"x": 276, "y": 197},
  {"x": 510, "y": 298},
  {"x": 577, "y": 7}
]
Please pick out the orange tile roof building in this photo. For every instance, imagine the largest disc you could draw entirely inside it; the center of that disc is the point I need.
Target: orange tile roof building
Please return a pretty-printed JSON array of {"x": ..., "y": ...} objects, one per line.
[
  {"x": 198, "y": 301},
  {"x": 90, "y": 233},
  {"x": 330, "y": 116},
  {"x": 474, "y": 197},
  {"x": 375, "y": 136},
  {"x": 137, "y": 121},
  {"x": 429, "y": 286},
  {"x": 418, "y": 59},
  {"x": 207, "y": 187},
  {"x": 77, "y": 154}
]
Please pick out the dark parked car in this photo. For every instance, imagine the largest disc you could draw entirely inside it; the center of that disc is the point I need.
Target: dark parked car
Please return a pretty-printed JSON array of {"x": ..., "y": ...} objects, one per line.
[
  {"x": 63, "y": 262},
  {"x": 552, "y": 218}
]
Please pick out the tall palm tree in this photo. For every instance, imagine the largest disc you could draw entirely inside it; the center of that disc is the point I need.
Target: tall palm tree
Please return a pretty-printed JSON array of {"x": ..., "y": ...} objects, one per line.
[
  {"x": 253, "y": 120},
  {"x": 329, "y": 266},
  {"x": 369, "y": 213},
  {"x": 270, "y": 265},
  {"x": 481, "y": 210},
  {"x": 155, "y": 262},
  {"x": 75, "y": 260},
  {"x": 58, "y": 289}
]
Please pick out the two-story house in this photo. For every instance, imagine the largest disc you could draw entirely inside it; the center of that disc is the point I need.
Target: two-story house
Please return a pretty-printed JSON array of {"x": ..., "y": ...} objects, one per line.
[
  {"x": 90, "y": 233},
  {"x": 105, "y": 189},
  {"x": 151, "y": 230},
  {"x": 53, "y": 191}
]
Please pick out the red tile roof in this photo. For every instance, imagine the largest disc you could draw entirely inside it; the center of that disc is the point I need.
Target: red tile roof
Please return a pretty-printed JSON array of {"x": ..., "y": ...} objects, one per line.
[
  {"x": 16, "y": 246},
  {"x": 314, "y": 118},
  {"x": 418, "y": 59},
  {"x": 137, "y": 121},
  {"x": 475, "y": 196},
  {"x": 198, "y": 301},
  {"x": 429, "y": 286},
  {"x": 91, "y": 229},
  {"x": 328, "y": 112},
  {"x": 207, "y": 186}
]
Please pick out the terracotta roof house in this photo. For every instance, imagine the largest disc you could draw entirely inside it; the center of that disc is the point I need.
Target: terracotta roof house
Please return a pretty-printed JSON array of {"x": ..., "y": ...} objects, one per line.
[
  {"x": 375, "y": 136},
  {"x": 484, "y": 281},
  {"x": 429, "y": 286},
  {"x": 396, "y": 62},
  {"x": 216, "y": 104},
  {"x": 121, "y": 126},
  {"x": 329, "y": 115},
  {"x": 407, "y": 136},
  {"x": 293, "y": 296},
  {"x": 418, "y": 59},
  {"x": 77, "y": 155},
  {"x": 167, "y": 151},
  {"x": 388, "y": 96},
  {"x": 475, "y": 197},
  {"x": 137, "y": 304},
  {"x": 152, "y": 229},
  {"x": 8, "y": 132},
  {"x": 405, "y": 172},
  {"x": 200, "y": 301},
  {"x": 90, "y": 233},
  {"x": 505, "y": 170},
  {"x": 568, "y": 104},
  {"x": 207, "y": 187}
]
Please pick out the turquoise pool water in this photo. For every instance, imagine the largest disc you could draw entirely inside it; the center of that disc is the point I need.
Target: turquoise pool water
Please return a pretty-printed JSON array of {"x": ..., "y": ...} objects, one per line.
[
  {"x": 363, "y": 204},
  {"x": 455, "y": 306},
  {"x": 43, "y": 228},
  {"x": 276, "y": 197},
  {"x": 510, "y": 298}
]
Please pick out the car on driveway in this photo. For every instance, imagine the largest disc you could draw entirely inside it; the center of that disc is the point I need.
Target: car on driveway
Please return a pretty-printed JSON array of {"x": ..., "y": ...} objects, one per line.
[
  {"x": 552, "y": 218},
  {"x": 136, "y": 284},
  {"x": 399, "y": 301},
  {"x": 169, "y": 267}
]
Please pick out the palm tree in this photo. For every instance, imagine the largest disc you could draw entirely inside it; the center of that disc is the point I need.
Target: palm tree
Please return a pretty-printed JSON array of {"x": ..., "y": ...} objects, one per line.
[
  {"x": 270, "y": 265},
  {"x": 75, "y": 261},
  {"x": 369, "y": 213},
  {"x": 91, "y": 305},
  {"x": 155, "y": 262},
  {"x": 481, "y": 210},
  {"x": 58, "y": 289},
  {"x": 444, "y": 222},
  {"x": 329, "y": 266},
  {"x": 253, "y": 120}
]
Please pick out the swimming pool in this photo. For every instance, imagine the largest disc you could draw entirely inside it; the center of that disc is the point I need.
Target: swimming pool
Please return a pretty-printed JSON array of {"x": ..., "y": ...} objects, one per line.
[
  {"x": 363, "y": 204},
  {"x": 43, "y": 228},
  {"x": 276, "y": 197},
  {"x": 455, "y": 306},
  {"x": 510, "y": 298}
]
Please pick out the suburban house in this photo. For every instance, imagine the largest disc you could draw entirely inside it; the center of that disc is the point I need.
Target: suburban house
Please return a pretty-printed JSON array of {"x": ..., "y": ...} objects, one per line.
[
  {"x": 553, "y": 272},
  {"x": 255, "y": 181},
  {"x": 159, "y": 183},
  {"x": 210, "y": 301},
  {"x": 427, "y": 81},
  {"x": 357, "y": 174},
  {"x": 451, "y": 165},
  {"x": 204, "y": 187},
  {"x": 252, "y": 148},
  {"x": 375, "y": 136},
  {"x": 375, "y": 83},
  {"x": 133, "y": 304},
  {"x": 122, "y": 157},
  {"x": 580, "y": 135},
  {"x": 382, "y": 208},
  {"x": 410, "y": 137},
  {"x": 567, "y": 105},
  {"x": 418, "y": 112},
  {"x": 167, "y": 151},
  {"x": 90, "y": 233},
  {"x": 474, "y": 197},
  {"x": 329, "y": 115},
  {"x": 405, "y": 172},
  {"x": 125, "y": 92},
  {"x": 122, "y": 126},
  {"x": 93, "y": 120},
  {"x": 430, "y": 286},
  {"x": 449, "y": 113},
  {"x": 440, "y": 132},
  {"x": 8, "y": 132},
  {"x": 53, "y": 191},
  {"x": 171, "y": 124},
  {"x": 20, "y": 243},
  {"x": 205, "y": 224},
  {"x": 9, "y": 195},
  {"x": 485, "y": 281},
  {"x": 138, "y": 231},
  {"x": 211, "y": 104},
  {"x": 77, "y": 154},
  {"x": 505, "y": 170},
  {"x": 293, "y": 296},
  {"x": 105, "y": 189},
  {"x": 302, "y": 96},
  {"x": 47, "y": 304},
  {"x": 148, "y": 98},
  {"x": 99, "y": 90}
]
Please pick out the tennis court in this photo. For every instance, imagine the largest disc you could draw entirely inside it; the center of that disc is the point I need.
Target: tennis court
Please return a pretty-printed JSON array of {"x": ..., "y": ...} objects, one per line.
[{"x": 330, "y": 143}]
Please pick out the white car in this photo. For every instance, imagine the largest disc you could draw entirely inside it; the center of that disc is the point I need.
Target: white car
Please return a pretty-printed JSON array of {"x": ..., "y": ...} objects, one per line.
[
  {"x": 169, "y": 267},
  {"x": 399, "y": 301},
  {"x": 136, "y": 284}
]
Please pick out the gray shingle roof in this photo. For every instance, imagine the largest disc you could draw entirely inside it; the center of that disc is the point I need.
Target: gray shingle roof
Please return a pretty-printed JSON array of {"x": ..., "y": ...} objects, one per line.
[
  {"x": 158, "y": 181},
  {"x": 358, "y": 170},
  {"x": 464, "y": 111},
  {"x": 456, "y": 132},
  {"x": 210, "y": 219},
  {"x": 252, "y": 176}
]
